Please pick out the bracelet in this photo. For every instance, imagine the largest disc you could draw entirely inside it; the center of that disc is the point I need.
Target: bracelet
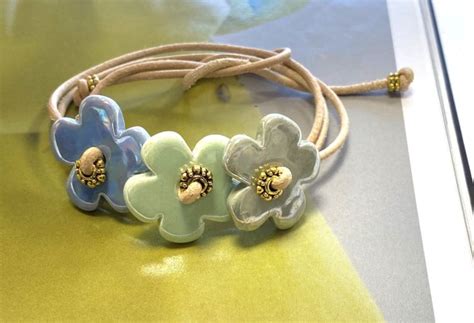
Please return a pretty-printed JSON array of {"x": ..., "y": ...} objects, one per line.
[{"x": 161, "y": 178}]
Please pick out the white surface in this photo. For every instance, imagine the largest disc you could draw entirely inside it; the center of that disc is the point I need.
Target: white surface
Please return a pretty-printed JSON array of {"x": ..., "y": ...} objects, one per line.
[
  {"x": 449, "y": 262},
  {"x": 455, "y": 31}
]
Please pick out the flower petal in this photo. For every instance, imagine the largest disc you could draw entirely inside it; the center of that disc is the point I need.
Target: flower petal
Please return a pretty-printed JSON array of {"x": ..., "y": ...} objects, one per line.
[
  {"x": 181, "y": 229},
  {"x": 244, "y": 207},
  {"x": 82, "y": 196},
  {"x": 249, "y": 211},
  {"x": 165, "y": 153},
  {"x": 292, "y": 210},
  {"x": 131, "y": 142},
  {"x": 305, "y": 160},
  {"x": 88, "y": 198},
  {"x": 66, "y": 142},
  {"x": 103, "y": 112},
  {"x": 278, "y": 133},
  {"x": 143, "y": 194},
  {"x": 242, "y": 156},
  {"x": 209, "y": 152}
]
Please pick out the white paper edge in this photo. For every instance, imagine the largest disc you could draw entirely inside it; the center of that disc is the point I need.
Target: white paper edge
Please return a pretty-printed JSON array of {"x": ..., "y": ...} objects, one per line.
[{"x": 449, "y": 262}]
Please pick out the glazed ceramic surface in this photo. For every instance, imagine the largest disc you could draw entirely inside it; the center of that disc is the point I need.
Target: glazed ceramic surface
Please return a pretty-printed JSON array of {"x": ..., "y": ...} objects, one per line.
[
  {"x": 100, "y": 124},
  {"x": 153, "y": 195},
  {"x": 278, "y": 142}
]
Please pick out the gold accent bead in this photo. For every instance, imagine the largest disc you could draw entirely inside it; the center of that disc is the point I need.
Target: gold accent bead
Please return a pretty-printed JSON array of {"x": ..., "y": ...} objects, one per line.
[
  {"x": 195, "y": 181},
  {"x": 92, "y": 81},
  {"x": 393, "y": 82},
  {"x": 270, "y": 181}
]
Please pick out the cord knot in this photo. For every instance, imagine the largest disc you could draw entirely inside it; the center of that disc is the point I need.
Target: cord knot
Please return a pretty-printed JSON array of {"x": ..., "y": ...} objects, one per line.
[
  {"x": 406, "y": 78},
  {"x": 85, "y": 87},
  {"x": 224, "y": 65}
]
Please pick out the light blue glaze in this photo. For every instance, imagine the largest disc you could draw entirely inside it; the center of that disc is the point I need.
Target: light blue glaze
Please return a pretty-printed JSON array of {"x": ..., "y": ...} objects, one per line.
[
  {"x": 100, "y": 125},
  {"x": 278, "y": 141}
]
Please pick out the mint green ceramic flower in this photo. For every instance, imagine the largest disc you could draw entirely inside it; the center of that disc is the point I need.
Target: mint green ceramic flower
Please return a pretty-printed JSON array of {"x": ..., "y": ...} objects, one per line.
[{"x": 184, "y": 187}]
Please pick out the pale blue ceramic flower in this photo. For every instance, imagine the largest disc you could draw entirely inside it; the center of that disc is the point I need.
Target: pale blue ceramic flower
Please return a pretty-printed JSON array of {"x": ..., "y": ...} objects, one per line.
[
  {"x": 100, "y": 124},
  {"x": 278, "y": 144}
]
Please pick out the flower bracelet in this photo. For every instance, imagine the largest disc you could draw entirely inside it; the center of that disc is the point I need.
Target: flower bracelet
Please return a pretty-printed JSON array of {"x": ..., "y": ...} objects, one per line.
[{"x": 161, "y": 178}]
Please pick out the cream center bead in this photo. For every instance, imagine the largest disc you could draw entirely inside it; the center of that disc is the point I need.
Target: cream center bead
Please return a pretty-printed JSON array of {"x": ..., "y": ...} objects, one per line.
[
  {"x": 191, "y": 194},
  {"x": 90, "y": 168},
  {"x": 195, "y": 182},
  {"x": 284, "y": 178}
]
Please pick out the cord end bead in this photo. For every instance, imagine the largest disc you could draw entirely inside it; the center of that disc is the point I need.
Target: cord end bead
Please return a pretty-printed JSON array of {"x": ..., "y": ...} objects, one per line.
[
  {"x": 92, "y": 81},
  {"x": 393, "y": 82},
  {"x": 400, "y": 81}
]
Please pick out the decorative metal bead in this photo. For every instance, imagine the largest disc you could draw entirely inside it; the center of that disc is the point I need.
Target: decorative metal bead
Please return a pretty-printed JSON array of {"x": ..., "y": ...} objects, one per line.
[
  {"x": 90, "y": 168},
  {"x": 196, "y": 173},
  {"x": 393, "y": 82},
  {"x": 92, "y": 81},
  {"x": 264, "y": 176}
]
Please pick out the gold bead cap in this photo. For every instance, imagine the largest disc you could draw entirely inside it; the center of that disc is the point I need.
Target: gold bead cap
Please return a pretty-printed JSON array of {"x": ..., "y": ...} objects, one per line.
[
  {"x": 195, "y": 182},
  {"x": 271, "y": 180}
]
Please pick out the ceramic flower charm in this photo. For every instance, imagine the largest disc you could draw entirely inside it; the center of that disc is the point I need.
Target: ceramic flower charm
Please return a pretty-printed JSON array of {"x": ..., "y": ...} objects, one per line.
[
  {"x": 183, "y": 188},
  {"x": 102, "y": 152},
  {"x": 272, "y": 170}
]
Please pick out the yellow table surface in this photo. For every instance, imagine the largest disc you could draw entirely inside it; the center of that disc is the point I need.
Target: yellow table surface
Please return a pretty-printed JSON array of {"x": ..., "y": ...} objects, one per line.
[{"x": 59, "y": 263}]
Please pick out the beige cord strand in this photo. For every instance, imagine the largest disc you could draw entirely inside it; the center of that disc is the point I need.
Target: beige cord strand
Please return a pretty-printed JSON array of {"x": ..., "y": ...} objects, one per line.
[{"x": 210, "y": 60}]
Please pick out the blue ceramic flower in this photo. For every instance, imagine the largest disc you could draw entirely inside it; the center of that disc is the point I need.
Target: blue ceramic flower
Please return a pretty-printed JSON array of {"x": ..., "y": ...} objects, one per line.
[
  {"x": 102, "y": 152},
  {"x": 272, "y": 169}
]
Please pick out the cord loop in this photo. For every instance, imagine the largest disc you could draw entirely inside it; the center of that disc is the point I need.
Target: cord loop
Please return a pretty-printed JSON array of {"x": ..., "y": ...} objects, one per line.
[{"x": 194, "y": 61}]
